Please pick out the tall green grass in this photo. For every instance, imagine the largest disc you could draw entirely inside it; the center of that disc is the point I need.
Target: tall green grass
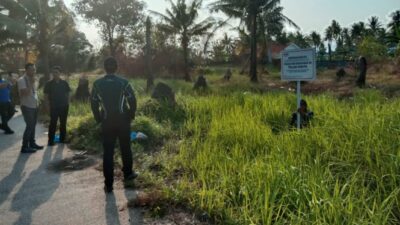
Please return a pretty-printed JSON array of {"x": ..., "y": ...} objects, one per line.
[
  {"x": 243, "y": 164},
  {"x": 249, "y": 167}
]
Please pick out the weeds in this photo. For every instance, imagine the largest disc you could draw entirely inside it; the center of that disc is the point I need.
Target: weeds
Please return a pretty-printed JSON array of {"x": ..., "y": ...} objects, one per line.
[{"x": 231, "y": 154}]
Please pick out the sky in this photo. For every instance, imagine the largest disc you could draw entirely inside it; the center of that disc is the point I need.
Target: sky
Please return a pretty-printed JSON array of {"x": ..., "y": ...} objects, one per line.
[{"x": 309, "y": 15}]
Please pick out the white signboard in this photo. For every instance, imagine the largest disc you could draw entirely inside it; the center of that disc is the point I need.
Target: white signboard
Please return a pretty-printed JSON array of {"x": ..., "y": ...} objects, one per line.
[{"x": 299, "y": 65}]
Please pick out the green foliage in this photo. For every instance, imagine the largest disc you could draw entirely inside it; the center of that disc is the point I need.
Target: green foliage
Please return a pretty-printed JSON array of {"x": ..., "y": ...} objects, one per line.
[
  {"x": 223, "y": 50},
  {"x": 181, "y": 20},
  {"x": 395, "y": 21},
  {"x": 372, "y": 49},
  {"x": 299, "y": 39},
  {"x": 315, "y": 39},
  {"x": 340, "y": 170},
  {"x": 11, "y": 28},
  {"x": 263, "y": 19},
  {"x": 115, "y": 18},
  {"x": 47, "y": 25},
  {"x": 155, "y": 132},
  {"x": 162, "y": 112},
  {"x": 84, "y": 132},
  {"x": 72, "y": 52},
  {"x": 238, "y": 160}
]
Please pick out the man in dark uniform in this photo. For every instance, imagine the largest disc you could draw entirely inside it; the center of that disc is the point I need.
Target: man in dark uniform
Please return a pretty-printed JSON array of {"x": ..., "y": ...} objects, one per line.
[
  {"x": 57, "y": 93},
  {"x": 114, "y": 105}
]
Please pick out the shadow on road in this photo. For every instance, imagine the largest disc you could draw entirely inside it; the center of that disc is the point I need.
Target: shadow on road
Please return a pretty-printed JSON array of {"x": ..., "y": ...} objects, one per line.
[
  {"x": 135, "y": 214},
  {"x": 7, "y": 141},
  {"x": 111, "y": 210},
  {"x": 38, "y": 187},
  {"x": 8, "y": 183}
]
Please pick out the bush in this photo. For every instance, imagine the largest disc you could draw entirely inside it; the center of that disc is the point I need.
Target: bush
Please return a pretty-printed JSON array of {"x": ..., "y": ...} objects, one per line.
[
  {"x": 155, "y": 132},
  {"x": 162, "y": 112},
  {"x": 372, "y": 49},
  {"x": 85, "y": 133}
]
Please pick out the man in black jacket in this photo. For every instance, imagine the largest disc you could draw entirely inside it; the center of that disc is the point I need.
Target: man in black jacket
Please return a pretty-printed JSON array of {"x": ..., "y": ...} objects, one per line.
[
  {"x": 113, "y": 105},
  {"x": 57, "y": 92}
]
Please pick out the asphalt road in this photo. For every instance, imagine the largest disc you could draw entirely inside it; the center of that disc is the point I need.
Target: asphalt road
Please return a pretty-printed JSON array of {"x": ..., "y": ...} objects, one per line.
[{"x": 31, "y": 193}]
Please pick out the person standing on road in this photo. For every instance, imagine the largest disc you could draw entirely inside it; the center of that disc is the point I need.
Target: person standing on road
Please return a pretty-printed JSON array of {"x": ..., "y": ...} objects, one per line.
[
  {"x": 6, "y": 109},
  {"x": 113, "y": 105},
  {"x": 57, "y": 92},
  {"x": 29, "y": 107}
]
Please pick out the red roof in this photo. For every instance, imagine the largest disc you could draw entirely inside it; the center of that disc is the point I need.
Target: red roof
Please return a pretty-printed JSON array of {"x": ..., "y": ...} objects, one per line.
[{"x": 277, "y": 48}]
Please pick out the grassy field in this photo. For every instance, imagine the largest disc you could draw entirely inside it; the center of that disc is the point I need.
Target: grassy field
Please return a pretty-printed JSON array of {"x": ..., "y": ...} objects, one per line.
[
  {"x": 230, "y": 152},
  {"x": 248, "y": 167}
]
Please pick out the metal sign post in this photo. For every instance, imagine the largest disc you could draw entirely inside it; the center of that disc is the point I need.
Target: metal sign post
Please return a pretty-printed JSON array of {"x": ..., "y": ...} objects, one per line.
[
  {"x": 299, "y": 65},
  {"x": 298, "y": 104}
]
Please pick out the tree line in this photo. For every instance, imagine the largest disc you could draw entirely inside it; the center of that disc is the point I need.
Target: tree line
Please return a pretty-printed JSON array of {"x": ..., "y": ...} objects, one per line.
[
  {"x": 178, "y": 39},
  {"x": 41, "y": 29}
]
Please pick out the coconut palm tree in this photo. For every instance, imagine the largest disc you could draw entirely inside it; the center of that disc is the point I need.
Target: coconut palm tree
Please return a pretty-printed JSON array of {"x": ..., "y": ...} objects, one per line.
[
  {"x": 393, "y": 38},
  {"x": 329, "y": 38},
  {"x": 336, "y": 30},
  {"x": 181, "y": 20},
  {"x": 332, "y": 33},
  {"x": 250, "y": 12},
  {"x": 395, "y": 21},
  {"x": 321, "y": 51},
  {"x": 299, "y": 39},
  {"x": 347, "y": 40},
  {"x": 358, "y": 31},
  {"x": 228, "y": 45},
  {"x": 315, "y": 39},
  {"x": 374, "y": 25}
]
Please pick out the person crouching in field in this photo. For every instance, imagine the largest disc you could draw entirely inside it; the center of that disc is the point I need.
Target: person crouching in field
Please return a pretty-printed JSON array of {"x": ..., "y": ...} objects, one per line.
[
  {"x": 57, "y": 92},
  {"x": 305, "y": 115},
  {"x": 113, "y": 105}
]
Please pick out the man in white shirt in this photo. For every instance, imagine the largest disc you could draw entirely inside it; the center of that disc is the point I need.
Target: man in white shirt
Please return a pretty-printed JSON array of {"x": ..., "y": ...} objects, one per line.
[{"x": 29, "y": 107}]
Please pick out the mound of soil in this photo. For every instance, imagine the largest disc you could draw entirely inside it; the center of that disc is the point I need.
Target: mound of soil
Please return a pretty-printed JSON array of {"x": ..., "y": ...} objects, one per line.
[
  {"x": 79, "y": 161},
  {"x": 164, "y": 93},
  {"x": 164, "y": 213},
  {"x": 201, "y": 83}
]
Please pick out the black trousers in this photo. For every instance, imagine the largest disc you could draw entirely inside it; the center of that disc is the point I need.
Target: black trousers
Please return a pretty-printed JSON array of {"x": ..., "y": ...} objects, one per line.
[
  {"x": 6, "y": 114},
  {"x": 58, "y": 113},
  {"x": 30, "y": 117},
  {"x": 361, "y": 78},
  {"x": 113, "y": 129}
]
